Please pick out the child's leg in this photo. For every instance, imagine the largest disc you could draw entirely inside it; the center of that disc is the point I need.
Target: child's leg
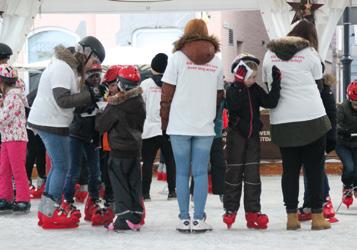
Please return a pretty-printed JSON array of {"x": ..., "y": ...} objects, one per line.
[
  {"x": 31, "y": 154},
  {"x": 149, "y": 149},
  {"x": 252, "y": 183},
  {"x": 17, "y": 157},
  {"x": 345, "y": 155},
  {"x": 166, "y": 150},
  {"x": 6, "y": 191},
  {"x": 354, "y": 153},
  {"x": 218, "y": 166},
  {"x": 92, "y": 155},
  {"x": 134, "y": 177},
  {"x": 236, "y": 147}
]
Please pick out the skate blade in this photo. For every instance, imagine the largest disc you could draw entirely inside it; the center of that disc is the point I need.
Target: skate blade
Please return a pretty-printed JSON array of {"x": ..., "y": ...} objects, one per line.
[
  {"x": 184, "y": 231},
  {"x": 134, "y": 227},
  {"x": 201, "y": 231},
  {"x": 59, "y": 226}
]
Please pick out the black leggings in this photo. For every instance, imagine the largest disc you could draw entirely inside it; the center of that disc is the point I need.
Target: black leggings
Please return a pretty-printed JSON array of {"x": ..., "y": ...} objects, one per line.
[
  {"x": 36, "y": 153},
  {"x": 311, "y": 156}
]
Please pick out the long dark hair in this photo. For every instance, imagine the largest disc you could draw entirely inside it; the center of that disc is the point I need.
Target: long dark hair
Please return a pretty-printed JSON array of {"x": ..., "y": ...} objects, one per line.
[{"x": 307, "y": 30}]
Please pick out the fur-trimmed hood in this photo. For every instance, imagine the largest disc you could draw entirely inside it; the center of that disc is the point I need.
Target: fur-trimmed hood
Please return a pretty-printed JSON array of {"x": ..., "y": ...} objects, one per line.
[
  {"x": 124, "y": 96},
  {"x": 199, "y": 49},
  {"x": 286, "y": 47},
  {"x": 62, "y": 53},
  {"x": 329, "y": 80}
]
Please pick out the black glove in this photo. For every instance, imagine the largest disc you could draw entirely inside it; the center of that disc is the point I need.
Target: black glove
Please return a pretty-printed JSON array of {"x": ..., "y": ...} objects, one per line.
[
  {"x": 240, "y": 73},
  {"x": 99, "y": 91},
  {"x": 276, "y": 74}
]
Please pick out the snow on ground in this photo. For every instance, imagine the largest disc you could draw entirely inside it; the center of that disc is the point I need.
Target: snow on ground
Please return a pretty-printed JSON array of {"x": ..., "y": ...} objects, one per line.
[{"x": 22, "y": 232}]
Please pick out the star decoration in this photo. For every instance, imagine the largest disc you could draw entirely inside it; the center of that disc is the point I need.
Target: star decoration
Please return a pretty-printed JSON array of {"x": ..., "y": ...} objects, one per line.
[{"x": 304, "y": 9}]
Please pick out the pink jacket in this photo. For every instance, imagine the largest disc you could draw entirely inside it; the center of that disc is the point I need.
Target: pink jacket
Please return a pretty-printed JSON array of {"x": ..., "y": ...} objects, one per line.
[{"x": 12, "y": 116}]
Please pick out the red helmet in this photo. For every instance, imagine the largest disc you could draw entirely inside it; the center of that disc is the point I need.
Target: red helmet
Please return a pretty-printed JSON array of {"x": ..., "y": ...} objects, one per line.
[
  {"x": 129, "y": 77},
  {"x": 352, "y": 91},
  {"x": 112, "y": 74}
]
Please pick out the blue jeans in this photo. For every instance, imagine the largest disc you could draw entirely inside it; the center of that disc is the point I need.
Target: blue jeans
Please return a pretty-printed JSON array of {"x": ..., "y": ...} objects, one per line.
[
  {"x": 191, "y": 152},
  {"x": 91, "y": 157},
  {"x": 348, "y": 157},
  {"x": 57, "y": 147}
]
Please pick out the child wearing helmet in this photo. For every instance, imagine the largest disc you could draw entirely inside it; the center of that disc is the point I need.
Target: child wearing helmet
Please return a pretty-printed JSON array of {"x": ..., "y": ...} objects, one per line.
[
  {"x": 244, "y": 97},
  {"x": 13, "y": 148},
  {"x": 123, "y": 119},
  {"x": 346, "y": 145}
]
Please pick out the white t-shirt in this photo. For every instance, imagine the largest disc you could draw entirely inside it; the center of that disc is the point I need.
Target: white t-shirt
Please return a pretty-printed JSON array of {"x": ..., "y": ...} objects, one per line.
[
  {"x": 44, "y": 110},
  {"x": 300, "y": 98},
  {"x": 193, "y": 107},
  {"x": 152, "y": 98}
]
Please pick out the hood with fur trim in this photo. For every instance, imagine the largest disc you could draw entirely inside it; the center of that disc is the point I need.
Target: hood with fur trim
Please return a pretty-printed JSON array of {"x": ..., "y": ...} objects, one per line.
[
  {"x": 286, "y": 47},
  {"x": 62, "y": 53},
  {"x": 199, "y": 49},
  {"x": 329, "y": 80},
  {"x": 124, "y": 96}
]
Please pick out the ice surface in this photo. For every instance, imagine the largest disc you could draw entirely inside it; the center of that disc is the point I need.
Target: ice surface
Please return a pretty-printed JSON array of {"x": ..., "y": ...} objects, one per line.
[{"x": 22, "y": 232}]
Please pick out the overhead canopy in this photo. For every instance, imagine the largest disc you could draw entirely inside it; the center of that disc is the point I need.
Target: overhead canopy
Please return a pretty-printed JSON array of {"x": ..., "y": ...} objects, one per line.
[{"x": 110, "y": 6}]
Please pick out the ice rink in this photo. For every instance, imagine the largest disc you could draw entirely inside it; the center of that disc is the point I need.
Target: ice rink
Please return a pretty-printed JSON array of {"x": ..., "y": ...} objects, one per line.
[{"x": 22, "y": 232}]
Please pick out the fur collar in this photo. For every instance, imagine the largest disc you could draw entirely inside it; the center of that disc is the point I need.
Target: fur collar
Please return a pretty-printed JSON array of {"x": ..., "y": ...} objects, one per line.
[
  {"x": 329, "y": 80},
  {"x": 286, "y": 47},
  {"x": 179, "y": 44},
  {"x": 124, "y": 96},
  {"x": 65, "y": 55}
]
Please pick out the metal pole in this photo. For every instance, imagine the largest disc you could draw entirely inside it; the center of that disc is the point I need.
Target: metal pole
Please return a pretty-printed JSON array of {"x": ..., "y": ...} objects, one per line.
[{"x": 346, "y": 58}]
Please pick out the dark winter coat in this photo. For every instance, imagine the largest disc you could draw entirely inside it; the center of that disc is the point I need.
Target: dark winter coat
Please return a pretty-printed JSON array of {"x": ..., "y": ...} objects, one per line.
[
  {"x": 329, "y": 102},
  {"x": 123, "y": 119},
  {"x": 243, "y": 106},
  {"x": 346, "y": 125},
  {"x": 200, "y": 50},
  {"x": 83, "y": 124}
]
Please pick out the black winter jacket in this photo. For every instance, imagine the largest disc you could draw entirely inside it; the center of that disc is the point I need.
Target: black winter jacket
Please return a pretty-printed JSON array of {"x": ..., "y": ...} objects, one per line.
[
  {"x": 329, "y": 102},
  {"x": 83, "y": 124},
  {"x": 346, "y": 125},
  {"x": 244, "y": 104},
  {"x": 123, "y": 119}
]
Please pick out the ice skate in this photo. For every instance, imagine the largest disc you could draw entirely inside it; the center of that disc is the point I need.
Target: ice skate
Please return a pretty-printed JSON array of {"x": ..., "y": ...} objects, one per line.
[
  {"x": 70, "y": 209},
  {"x": 90, "y": 208},
  {"x": 184, "y": 226},
  {"x": 257, "y": 220},
  {"x": 304, "y": 214},
  {"x": 21, "y": 207},
  {"x": 5, "y": 207},
  {"x": 102, "y": 216},
  {"x": 347, "y": 197},
  {"x": 229, "y": 218},
  {"x": 200, "y": 226}
]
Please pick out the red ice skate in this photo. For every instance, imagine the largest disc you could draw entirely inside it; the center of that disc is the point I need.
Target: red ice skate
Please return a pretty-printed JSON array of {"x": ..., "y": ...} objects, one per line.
[
  {"x": 59, "y": 220},
  {"x": 257, "y": 220},
  {"x": 347, "y": 197},
  {"x": 229, "y": 218},
  {"x": 304, "y": 214},
  {"x": 90, "y": 208},
  {"x": 70, "y": 209},
  {"x": 80, "y": 195},
  {"x": 328, "y": 211},
  {"x": 36, "y": 193},
  {"x": 102, "y": 216}
]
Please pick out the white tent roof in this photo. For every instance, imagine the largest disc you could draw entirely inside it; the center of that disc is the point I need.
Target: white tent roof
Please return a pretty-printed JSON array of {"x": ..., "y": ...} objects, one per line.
[{"x": 110, "y": 6}]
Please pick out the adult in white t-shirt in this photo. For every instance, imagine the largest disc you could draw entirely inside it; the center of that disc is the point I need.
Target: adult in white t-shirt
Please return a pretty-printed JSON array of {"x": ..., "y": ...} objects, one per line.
[
  {"x": 153, "y": 138},
  {"x": 299, "y": 122},
  {"x": 192, "y": 80},
  {"x": 51, "y": 114}
]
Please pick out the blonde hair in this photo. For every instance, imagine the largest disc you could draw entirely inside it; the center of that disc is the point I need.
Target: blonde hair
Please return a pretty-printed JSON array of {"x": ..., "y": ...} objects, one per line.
[{"x": 196, "y": 27}]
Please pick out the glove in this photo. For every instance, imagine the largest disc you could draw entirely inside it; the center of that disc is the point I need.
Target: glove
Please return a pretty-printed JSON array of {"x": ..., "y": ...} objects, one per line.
[
  {"x": 98, "y": 92},
  {"x": 276, "y": 74},
  {"x": 240, "y": 73}
]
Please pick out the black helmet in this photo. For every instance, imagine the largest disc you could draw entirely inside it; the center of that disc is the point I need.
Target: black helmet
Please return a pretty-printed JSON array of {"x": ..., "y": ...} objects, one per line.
[
  {"x": 245, "y": 57},
  {"x": 5, "y": 51},
  {"x": 95, "y": 45}
]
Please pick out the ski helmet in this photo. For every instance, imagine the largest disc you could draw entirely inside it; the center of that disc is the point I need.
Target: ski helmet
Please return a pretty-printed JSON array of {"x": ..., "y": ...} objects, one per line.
[
  {"x": 352, "y": 91},
  {"x": 112, "y": 74},
  {"x": 128, "y": 78},
  {"x": 246, "y": 58},
  {"x": 95, "y": 69},
  {"x": 5, "y": 51},
  {"x": 95, "y": 46},
  {"x": 8, "y": 73}
]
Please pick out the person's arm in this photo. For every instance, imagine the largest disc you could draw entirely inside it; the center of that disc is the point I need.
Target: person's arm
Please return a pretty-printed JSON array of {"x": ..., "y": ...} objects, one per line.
[
  {"x": 271, "y": 99},
  {"x": 10, "y": 107},
  {"x": 66, "y": 100},
  {"x": 167, "y": 94},
  {"x": 105, "y": 121}
]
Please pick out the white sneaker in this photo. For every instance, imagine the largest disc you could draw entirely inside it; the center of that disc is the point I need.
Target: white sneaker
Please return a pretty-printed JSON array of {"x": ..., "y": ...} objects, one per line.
[
  {"x": 184, "y": 226},
  {"x": 200, "y": 226}
]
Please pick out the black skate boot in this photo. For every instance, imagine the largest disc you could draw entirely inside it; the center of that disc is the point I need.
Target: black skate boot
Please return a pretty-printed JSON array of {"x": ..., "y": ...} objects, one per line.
[
  {"x": 21, "y": 207},
  {"x": 5, "y": 207}
]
